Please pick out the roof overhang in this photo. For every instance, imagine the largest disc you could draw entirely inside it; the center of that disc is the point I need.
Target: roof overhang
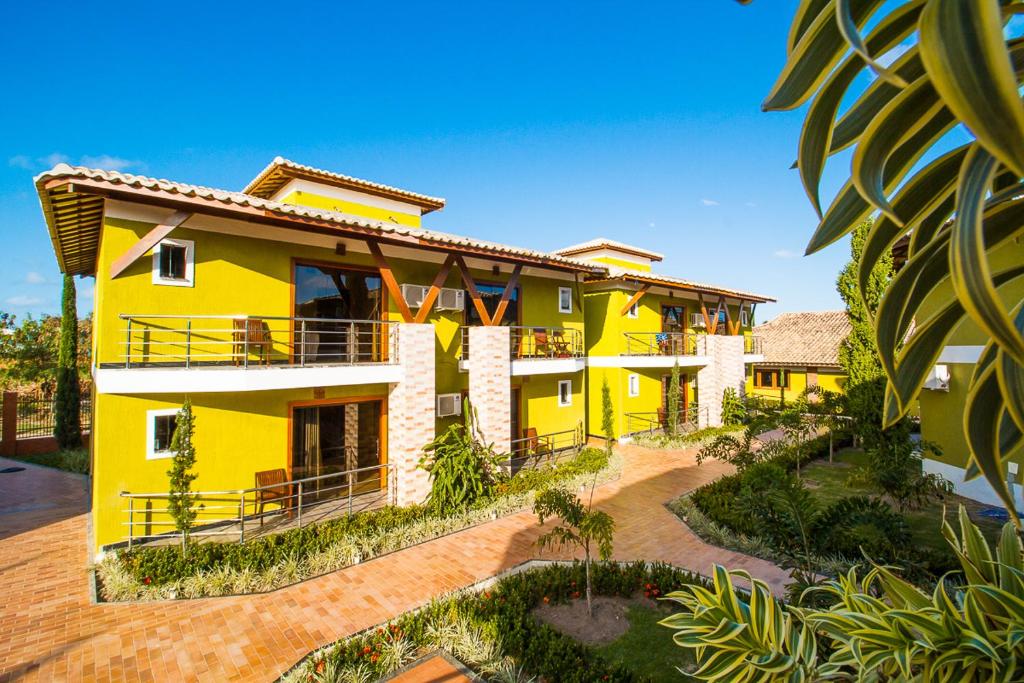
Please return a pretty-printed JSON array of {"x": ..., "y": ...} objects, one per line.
[
  {"x": 280, "y": 171},
  {"x": 678, "y": 286},
  {"x": 73, "y": 203}
]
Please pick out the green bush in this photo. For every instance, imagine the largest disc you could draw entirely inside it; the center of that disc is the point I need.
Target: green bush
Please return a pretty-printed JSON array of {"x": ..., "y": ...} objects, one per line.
[
  {"x": 159, "y": 565},
  {"x": 463, "y": 469},
  {"x": 504, "y": 615},
  {"x": 858, "y": 523}
]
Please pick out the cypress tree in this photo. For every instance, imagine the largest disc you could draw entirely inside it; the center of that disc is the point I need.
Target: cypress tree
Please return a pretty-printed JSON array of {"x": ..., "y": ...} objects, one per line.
[
  {"x": 181, "y": 505},
  {"x": 68, "y": 426},
  {"x": 607, "y": 416},
  {"x": 674, "y": 400}
]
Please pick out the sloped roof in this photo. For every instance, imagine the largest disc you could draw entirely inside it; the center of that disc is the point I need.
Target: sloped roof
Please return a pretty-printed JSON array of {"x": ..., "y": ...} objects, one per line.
[
  {"x": 279, "y": 171},
  {"x": 810, "y": 338},
  {"x": 72, "y": 202},
  {"x": 605, "y": 243},
  {"x": 647, "y": 277}
]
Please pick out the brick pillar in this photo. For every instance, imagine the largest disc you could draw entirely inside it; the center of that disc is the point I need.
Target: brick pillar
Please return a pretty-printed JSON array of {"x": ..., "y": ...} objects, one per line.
[
  {"x": 411, "y": 411},
  {"x": 9, "y": 424},
  {"x": 490, "y": 384},
  {"x": 725, "y": 369}
]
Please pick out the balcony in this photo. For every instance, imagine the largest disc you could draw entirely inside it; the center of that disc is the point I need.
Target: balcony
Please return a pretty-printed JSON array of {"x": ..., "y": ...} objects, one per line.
[
  {"x": 753, "y": 349},
  {"x": 539, "y": 350},
  {"x": 166, "y": 353},
  {"x": 654, "y": 350},
  {"x": 656, "y": 422}
]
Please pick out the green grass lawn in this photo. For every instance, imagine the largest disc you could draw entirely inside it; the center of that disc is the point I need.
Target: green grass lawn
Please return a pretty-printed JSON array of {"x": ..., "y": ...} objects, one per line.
[
  {"x": 647, "y": 648},
  {"x": 828, "y": 482},
  {"x": 75, "y": 460}
]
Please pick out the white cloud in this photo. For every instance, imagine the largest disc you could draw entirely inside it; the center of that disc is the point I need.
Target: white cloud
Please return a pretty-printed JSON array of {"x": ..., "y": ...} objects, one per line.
[
  {"x": 709, "y": 202},
  {"x": 784, "y": 253},
  {"x": 22, "y": 300},
  {"x": 34, "y": 278},
  {"x": 54, "y": 159},
  {"x": 20, "y": 161},
  {"x": 109, "y": 163},
  {"x": 651, "y": 224}
]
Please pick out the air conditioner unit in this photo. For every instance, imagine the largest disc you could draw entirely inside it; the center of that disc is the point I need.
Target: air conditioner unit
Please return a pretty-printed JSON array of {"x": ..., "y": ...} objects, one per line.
[
  {"x": 696, "y": 320},
  {"x": 451, "y": 300},
  {"x": 938, "y": 378},
  {"x": 449, "y": 405},
  {"x": 414, "y": 295}
]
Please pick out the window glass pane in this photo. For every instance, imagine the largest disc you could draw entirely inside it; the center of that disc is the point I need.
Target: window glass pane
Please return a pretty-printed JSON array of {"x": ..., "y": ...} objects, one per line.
[
  {"x": 564, "y": 392},
  {"x": 673, "y": 319},
  {"x": 564, "y": 299},
  {"x": 172, "y": 261},
  {"x": 326, "y": 292},
  {"x": 163, "y": 432},
  {"x": 491, "y": 295}
]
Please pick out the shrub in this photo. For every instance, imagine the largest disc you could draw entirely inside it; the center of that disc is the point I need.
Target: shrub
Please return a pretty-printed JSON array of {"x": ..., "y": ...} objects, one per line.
[
  {"x": 181, "y": 504},
  {"x": 67, "y": 426},
  {"x": 733, "y": 412},
  {"x": 462, "y": 468},
  {"x": 858, "y": 523}
]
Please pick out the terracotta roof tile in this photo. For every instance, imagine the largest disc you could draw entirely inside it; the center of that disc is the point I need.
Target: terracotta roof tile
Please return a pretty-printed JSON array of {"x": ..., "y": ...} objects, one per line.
[{"x": 810, "y": 338}]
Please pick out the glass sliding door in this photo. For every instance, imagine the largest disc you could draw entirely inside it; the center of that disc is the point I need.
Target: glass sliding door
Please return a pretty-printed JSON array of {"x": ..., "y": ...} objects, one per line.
[
  {"x": 332, "y": 438},
  {"x": 326, "y": 295}
]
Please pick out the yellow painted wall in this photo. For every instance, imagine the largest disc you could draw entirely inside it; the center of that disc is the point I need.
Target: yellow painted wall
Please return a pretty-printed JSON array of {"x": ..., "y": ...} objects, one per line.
[
  {"x": 621, "y": 263},
  {"x": 827, "y": 379},
  {"x": 540, "y": 403},
  {"x": 236, "y": 435},
  {"x": 317, "y": 201}
]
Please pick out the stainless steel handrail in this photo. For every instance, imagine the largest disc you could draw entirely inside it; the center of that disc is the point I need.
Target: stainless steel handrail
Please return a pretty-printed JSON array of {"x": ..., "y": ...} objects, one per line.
[
  {"x": 224, "y": 500},
  {"x": 525, "y": 344},
  {"x": 660, "y": 344}
]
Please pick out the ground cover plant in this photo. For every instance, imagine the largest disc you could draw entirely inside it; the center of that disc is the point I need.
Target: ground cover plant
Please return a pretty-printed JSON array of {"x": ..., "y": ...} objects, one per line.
[
  {"x": 73, "y": 460},
  {"x": 684, "y": 438},
  {"x": 496, "y": 632},
  {"x": 265, "y": 563}
]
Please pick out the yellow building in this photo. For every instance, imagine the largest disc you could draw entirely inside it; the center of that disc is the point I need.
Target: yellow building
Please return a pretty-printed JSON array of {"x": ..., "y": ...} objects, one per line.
[
  {"x": 323, "y": 335},
  {"x": 801, "y": 350}
]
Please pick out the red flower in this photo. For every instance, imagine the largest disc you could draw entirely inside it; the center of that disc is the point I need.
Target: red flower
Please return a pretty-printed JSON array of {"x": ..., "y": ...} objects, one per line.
[
  {"x": 366, "y": 650},
  {"x": 374, "y": 657},
  {"x": 319, "y": 666},
  {"x": 147, "y": 580},
  {"x": 647, "y": 586},
  {"x": 546, "y": 600}
]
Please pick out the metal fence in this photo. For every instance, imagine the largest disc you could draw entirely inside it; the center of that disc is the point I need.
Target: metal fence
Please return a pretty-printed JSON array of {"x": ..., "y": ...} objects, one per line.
[
  {"x": 37, "y": 414},
  {"x": 240, "y": 513},
  {"x": 656, "y": 421},
  {"x": 541, "y": 450},
  {"x": 753, "y": 345},
  {"x": 660, "y": 343},
  {"x": 527, "y": 342},
  {"x": 253, "y": 341}
]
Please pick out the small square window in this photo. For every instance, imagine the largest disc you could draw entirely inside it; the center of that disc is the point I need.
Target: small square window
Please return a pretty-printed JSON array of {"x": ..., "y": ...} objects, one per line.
[
  {"x": 160, "y": 432},
  {"x": 565, "y": 300},
  {"x": 634, "y": 385},
  {"x": 634, "y": 310},
  {"x": 565, "y": 392},
  {"x": 174, "y": 263}
]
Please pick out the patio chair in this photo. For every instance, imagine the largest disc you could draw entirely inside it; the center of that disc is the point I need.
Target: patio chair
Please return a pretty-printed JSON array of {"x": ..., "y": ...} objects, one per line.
[
  {"x": 541, "y": 346},
  {"x": 251, "y": 335},
  {"x": 560, "y": 345},
  {"x": 272, "y": 487},
  {"x": 536, "y": 445}
]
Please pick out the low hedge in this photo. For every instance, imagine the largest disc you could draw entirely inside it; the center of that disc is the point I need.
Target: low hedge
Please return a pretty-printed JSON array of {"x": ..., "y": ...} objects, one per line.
[
  {"x": 158, "y": 572},
  {"x": 501, "y": 616}
]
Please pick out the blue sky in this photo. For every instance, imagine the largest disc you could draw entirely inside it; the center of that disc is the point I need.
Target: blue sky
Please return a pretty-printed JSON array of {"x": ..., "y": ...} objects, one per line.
[{"x": 543, "y": 124}]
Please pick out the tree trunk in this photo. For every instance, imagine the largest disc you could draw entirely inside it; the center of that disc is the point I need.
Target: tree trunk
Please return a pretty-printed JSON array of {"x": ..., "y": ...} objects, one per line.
[{"x": 590, "y": 607}]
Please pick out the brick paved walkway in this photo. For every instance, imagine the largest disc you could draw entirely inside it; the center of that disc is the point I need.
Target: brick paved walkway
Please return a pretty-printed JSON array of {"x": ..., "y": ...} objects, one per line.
[{"x": 50, "y": 630}]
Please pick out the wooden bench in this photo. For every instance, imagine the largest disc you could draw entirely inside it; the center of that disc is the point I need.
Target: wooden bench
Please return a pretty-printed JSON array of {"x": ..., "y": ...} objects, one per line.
[{"x": 272, "y": 487}]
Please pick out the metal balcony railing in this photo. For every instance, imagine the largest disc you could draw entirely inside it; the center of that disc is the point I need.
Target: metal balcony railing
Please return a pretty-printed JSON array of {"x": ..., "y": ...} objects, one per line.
[
  {"x": 753, "y": 345},
  {"x": 650, "y": 422},
  {"x": 234, "y": 513},
  {"x": 254, "y": 341},
  {"x": 660, "y": 344},
  {"x": 544, "y": 449},
  {"x": 527, "y": 342}
]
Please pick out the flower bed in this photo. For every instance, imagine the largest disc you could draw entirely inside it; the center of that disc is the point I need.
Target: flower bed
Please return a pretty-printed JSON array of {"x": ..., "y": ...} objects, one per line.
[
  {"x": 695, "y": 438},
  {"x": 271, "y": 562},
  {"x": 494, "y": 631}
]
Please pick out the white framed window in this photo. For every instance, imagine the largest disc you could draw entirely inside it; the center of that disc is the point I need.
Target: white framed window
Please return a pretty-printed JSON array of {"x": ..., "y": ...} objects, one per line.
[
  {"x": 565, "y": 299},
  {"x": 634, "y": 385},
  {"x": 634, "y": 310},
  {"x": 565, "y": 392},
  {"x": 160, "y": 426},
  {"x": 744, "y": 317},
  {"x": 174, "y": 263}
]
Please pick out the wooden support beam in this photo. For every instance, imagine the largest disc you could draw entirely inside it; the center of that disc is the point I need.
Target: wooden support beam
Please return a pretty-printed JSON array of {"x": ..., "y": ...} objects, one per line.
[
  {"x": 148, "y": 241},
  {"x": 633, "y": 299},
  {"x": 389, "y": 280},
  {"x": 718, "y": 315},
  {"x": 728, "y": 316},
  {"x": 704, "y": 312},
  {"x": 435, "y": 289},
  {"x": 474, "y": 294},
  {"x": 510, "y": 287},
  {"x": 736, "y": 326}
]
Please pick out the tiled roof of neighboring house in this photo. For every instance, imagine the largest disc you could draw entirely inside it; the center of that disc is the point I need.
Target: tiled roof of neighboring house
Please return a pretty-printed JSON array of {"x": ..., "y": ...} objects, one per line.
[
  {"x": 72, "y": 202},
  {"x": 279, "y": 171},
  {"x": 809, "y": 339},
  {"x": 605, "y": 243},
  {"x": 646, "y": 277}
]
